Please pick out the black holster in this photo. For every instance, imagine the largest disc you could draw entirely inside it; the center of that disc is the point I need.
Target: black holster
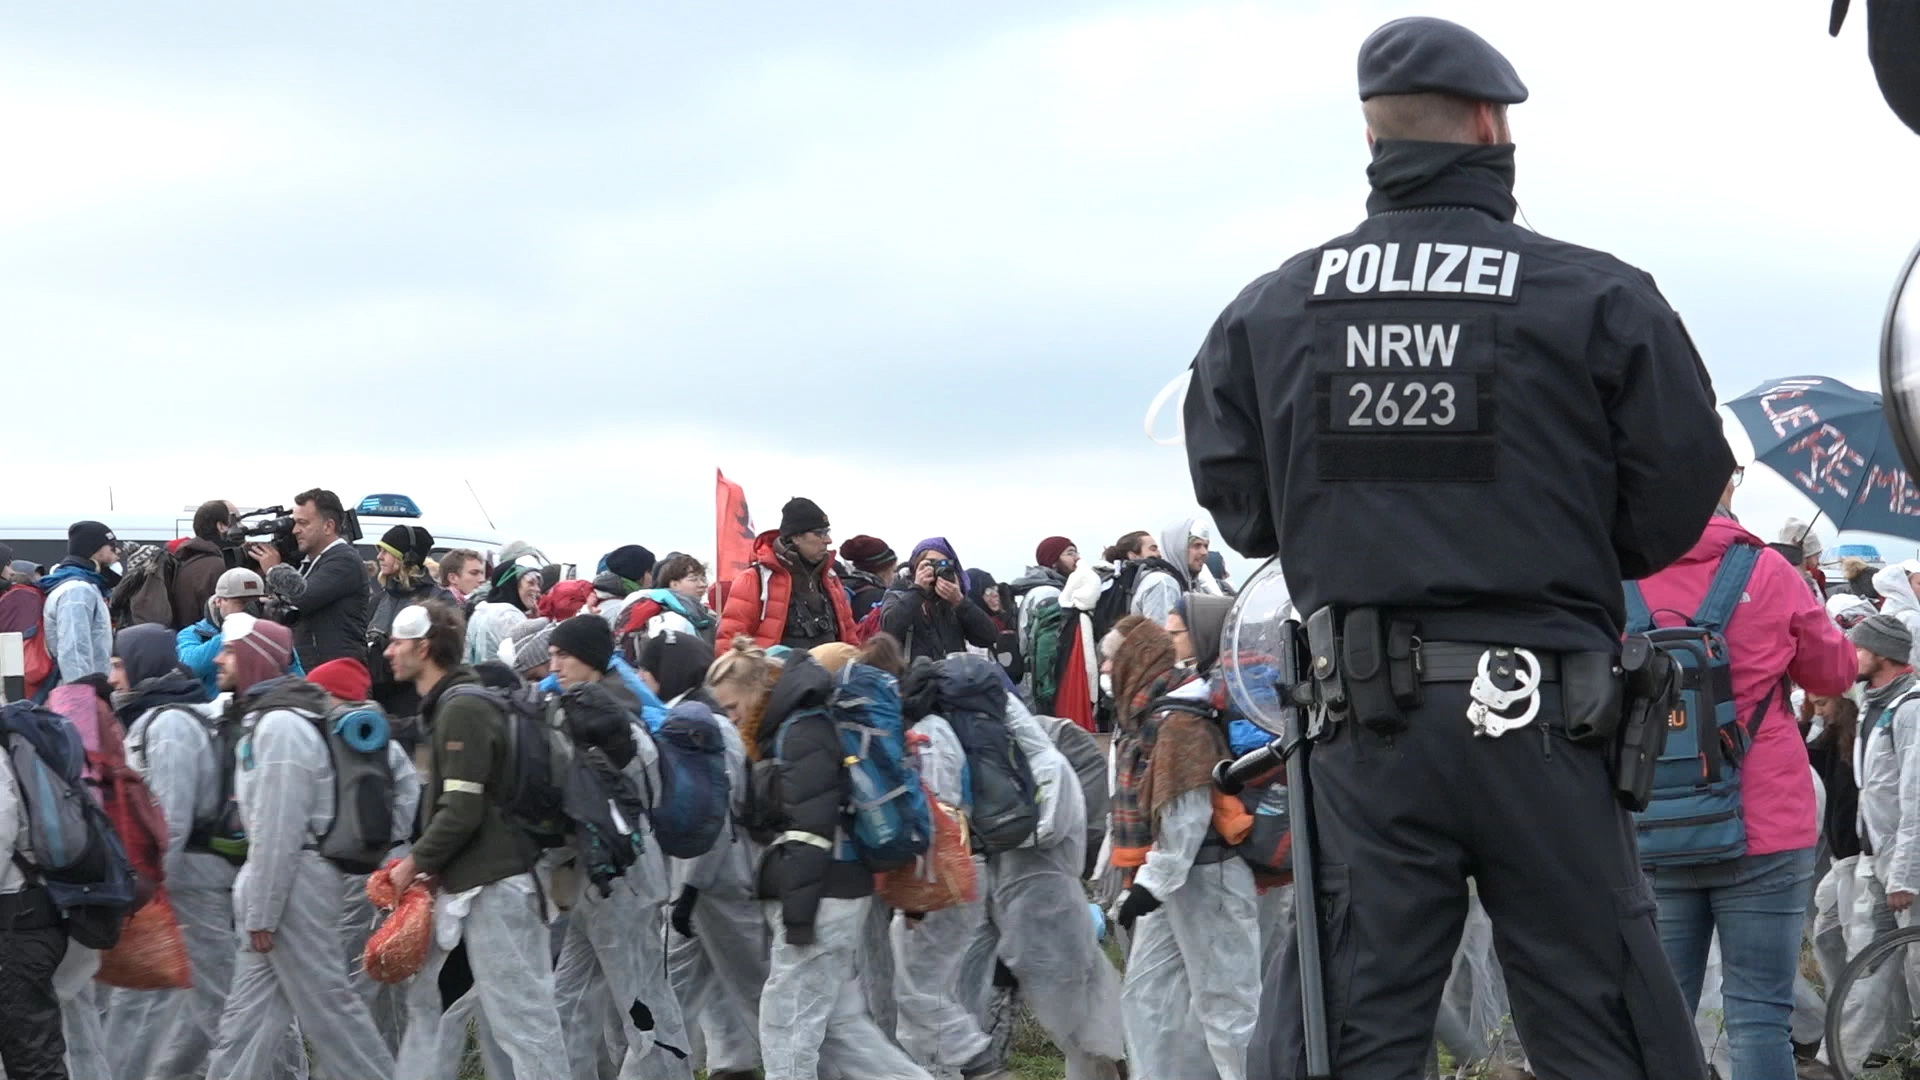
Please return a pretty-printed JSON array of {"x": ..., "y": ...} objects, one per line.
[
  {"x": 1382, "y": 683},
  {"x": 1593, "y": 694},
  {"x": 1652, "y": 685}
]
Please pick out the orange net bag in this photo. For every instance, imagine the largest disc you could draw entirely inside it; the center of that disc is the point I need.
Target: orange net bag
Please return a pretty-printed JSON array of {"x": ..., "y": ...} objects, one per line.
[
  {"x": 398, "y": 949},
  {"x": 151, "y": 954},
  {"x": 943, "y": 877}
]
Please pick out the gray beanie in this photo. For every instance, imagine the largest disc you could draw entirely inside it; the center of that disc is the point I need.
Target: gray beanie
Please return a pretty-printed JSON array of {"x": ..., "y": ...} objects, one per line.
[
  {"x": 1884, "y": 635},
  {"x": 528, "y": 641}
]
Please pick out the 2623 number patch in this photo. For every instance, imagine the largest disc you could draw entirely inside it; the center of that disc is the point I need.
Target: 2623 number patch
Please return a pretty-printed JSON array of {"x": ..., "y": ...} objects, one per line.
[{"x": 1384, "y": 404}]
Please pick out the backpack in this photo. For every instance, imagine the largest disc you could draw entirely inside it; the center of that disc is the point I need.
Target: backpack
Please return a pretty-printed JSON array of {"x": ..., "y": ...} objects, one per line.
[
  {"x": 121, "y": 791},
  {"x": 542, "y": 757},
  {"x": 691, "y": 812},
  {"x": 145, "y": 594},
  {"x": 1116, "y": 600},
  {"x": 1083, "y": 752},
  {"x": 602, "y": 809},
  {"x": 1694, "y": 815},
  {"x": 361, "y": 833},
  {"x": 73, "y": 849},
  {"x": 225, "y": 832},
  {"x": 1041, "y": 645},
  {"x": 22, "y": 611},
  {"x": 1267, "y": 848},
  {"x": 1004, "y": 798},
  {"x": 892, "y": 824}
]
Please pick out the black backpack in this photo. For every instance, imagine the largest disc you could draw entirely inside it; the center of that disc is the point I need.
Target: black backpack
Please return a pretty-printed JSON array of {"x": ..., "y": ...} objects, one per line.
[
  {"x": 222, "y": 833},
  {"x": 1116, "y": 600},
  {"x": 1005, "y": 810},
  {"x": 603, "y": 809},
  {"x": 542, "y": 757}
]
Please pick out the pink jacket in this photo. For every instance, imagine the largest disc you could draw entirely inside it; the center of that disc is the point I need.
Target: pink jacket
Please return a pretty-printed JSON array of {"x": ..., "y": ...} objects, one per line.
[{"x": 1778, "y": 629}]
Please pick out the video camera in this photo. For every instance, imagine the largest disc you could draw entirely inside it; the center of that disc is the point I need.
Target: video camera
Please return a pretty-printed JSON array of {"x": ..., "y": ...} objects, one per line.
[{"x": 274, "y": 525}]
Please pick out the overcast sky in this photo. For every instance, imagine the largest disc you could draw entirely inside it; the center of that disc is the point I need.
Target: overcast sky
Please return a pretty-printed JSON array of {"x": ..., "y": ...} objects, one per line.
[{"x": 925, "y": 263}]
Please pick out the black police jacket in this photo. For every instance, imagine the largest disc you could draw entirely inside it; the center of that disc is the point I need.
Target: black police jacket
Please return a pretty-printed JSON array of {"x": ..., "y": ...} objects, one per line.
[{"x": 1445, "y": 413}]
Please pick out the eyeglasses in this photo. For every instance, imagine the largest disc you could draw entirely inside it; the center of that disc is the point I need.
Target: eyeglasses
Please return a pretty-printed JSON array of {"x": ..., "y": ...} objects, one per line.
[{"x": 1739, "y": 476}]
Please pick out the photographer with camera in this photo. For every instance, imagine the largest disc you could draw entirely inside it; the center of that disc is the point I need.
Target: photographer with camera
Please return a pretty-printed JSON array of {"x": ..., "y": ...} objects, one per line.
[
  {"x": 328, "y": 591},
  {"x": 932, "y": 616}
]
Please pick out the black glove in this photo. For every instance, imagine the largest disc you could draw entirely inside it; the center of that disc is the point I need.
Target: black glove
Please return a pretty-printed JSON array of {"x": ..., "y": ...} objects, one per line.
[
  {"x": 799, "y": 935},
  {"x": 683, "y": 911},
  {"x": 1136, "y": 903}
]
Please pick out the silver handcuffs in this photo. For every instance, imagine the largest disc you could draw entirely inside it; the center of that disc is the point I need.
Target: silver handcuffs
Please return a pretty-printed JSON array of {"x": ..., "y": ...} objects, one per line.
[{"x": 1492, "y": 710}]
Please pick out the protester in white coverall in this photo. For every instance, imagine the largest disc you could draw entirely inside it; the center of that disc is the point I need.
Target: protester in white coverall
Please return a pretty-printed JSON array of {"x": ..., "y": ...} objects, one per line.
[
  {"x": 1037, "y": 923},
  {"x": 168, "y": 1033},
  {"x": 718, "y": 969},
  {"x": 1192, "y": 989},
  {"x": 935, "y": 1025},
  {"x": 286, "y": 898},
  {"x": 489, "y": 929}
]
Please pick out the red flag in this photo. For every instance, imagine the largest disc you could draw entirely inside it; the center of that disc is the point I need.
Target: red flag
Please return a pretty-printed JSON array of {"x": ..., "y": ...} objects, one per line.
[{"x": 733, "y": 535}]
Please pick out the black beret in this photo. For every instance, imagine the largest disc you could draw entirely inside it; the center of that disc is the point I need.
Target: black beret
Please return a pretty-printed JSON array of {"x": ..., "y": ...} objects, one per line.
[{"x": 1423, "y": 55}]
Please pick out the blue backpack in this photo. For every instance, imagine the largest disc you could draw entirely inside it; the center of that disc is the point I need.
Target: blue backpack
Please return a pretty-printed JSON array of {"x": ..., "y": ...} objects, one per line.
[
  {"x": 691, "y": 812},
  {"x": 72, "y": 847},
  {"x": 892, "y": 825},
  {"x": 1694, "y": 815}
]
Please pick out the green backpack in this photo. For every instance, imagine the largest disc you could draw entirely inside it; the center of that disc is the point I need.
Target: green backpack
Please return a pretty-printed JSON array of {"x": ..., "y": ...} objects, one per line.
[{"x": 1041, "y": 645}]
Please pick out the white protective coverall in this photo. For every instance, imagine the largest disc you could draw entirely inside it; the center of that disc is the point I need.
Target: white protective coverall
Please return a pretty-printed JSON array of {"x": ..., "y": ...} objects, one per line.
[
  {"x": 935, "y": 1025},
  {"x": 718, "y": 973},
  {"x": 1038, "y": 924},
  {"x": 611, "y": 983},
  {"x": 1192, "y": 989},
  {"x": 284, "y": 783}
]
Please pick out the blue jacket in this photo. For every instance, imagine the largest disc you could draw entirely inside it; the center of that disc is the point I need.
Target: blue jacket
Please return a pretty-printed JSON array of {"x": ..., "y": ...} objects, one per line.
[{"x": 197, "y": 645}]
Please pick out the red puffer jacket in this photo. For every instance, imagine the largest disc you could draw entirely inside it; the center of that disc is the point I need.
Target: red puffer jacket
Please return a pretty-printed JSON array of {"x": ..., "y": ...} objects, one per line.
[{"x": 765, "y": 618}]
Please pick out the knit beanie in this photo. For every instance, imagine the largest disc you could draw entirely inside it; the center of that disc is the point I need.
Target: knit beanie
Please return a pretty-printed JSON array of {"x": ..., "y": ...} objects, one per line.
[
  {"x": 802, "y": 516},
  {"x": 632, "y": 562},
  {"x": 612, "y": 584},
  {"x": 345, "y": 678},
  {"x": 677, "y": 661},
  {"x": 867, "y": 553},
  {"x": 506, "y": 586},
  {"x": 1050, "y": 550},
  {"x": 261, "y": 649},
  {"x": 146, "y": 651},
  {"x": 411, "y": 544},
  {"x": 86, "y": 537},
  {"x": 1885, "y": 636},
  {"x": 586, "y": 638},
  {"x": 526, "y": 645}
]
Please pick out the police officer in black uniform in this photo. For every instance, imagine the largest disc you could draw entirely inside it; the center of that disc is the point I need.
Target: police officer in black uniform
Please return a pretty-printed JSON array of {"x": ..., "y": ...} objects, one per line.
[{"x": 1460, "y": 436}]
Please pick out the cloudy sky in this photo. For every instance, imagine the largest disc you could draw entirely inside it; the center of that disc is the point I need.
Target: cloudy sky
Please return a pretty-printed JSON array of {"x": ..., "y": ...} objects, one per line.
[{"x": 926, "y": 263}]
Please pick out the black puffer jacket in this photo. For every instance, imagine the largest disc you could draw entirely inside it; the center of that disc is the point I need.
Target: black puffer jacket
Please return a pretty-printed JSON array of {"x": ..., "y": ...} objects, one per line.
[{"x": 814, "y": 792}]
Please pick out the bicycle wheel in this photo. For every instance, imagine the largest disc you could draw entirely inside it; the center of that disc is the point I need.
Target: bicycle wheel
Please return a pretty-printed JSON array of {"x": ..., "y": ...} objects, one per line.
[{"x": 1870, "y": 1037}]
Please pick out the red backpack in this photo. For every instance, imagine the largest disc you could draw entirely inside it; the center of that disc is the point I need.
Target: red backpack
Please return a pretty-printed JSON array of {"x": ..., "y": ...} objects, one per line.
[
  {"x": 21, "y": 612},
  {"x": 121, "y": 791}
]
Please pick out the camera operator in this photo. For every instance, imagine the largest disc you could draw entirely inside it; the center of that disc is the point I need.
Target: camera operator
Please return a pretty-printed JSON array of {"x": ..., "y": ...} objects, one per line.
[
  {"x": 200, "y": 561},
  {"x": 329, "y": 590},
  {"x": 933, "y": 617}
]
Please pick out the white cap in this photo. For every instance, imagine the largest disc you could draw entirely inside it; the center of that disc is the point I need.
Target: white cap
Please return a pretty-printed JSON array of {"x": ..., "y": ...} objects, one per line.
[
  {"x": 239, "y": 583},
  {"x": 1911, "y": 566},
  {"x": 237, "y": 626},
  {"x": 411, "y": 624}
]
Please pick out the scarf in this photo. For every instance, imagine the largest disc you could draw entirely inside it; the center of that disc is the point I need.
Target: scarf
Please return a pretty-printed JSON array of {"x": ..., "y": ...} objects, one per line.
[
  {"x": 1169, "y": 753},
  {"x": 1410, "y": 172},
  {"x": 1147, "y": 781}
]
